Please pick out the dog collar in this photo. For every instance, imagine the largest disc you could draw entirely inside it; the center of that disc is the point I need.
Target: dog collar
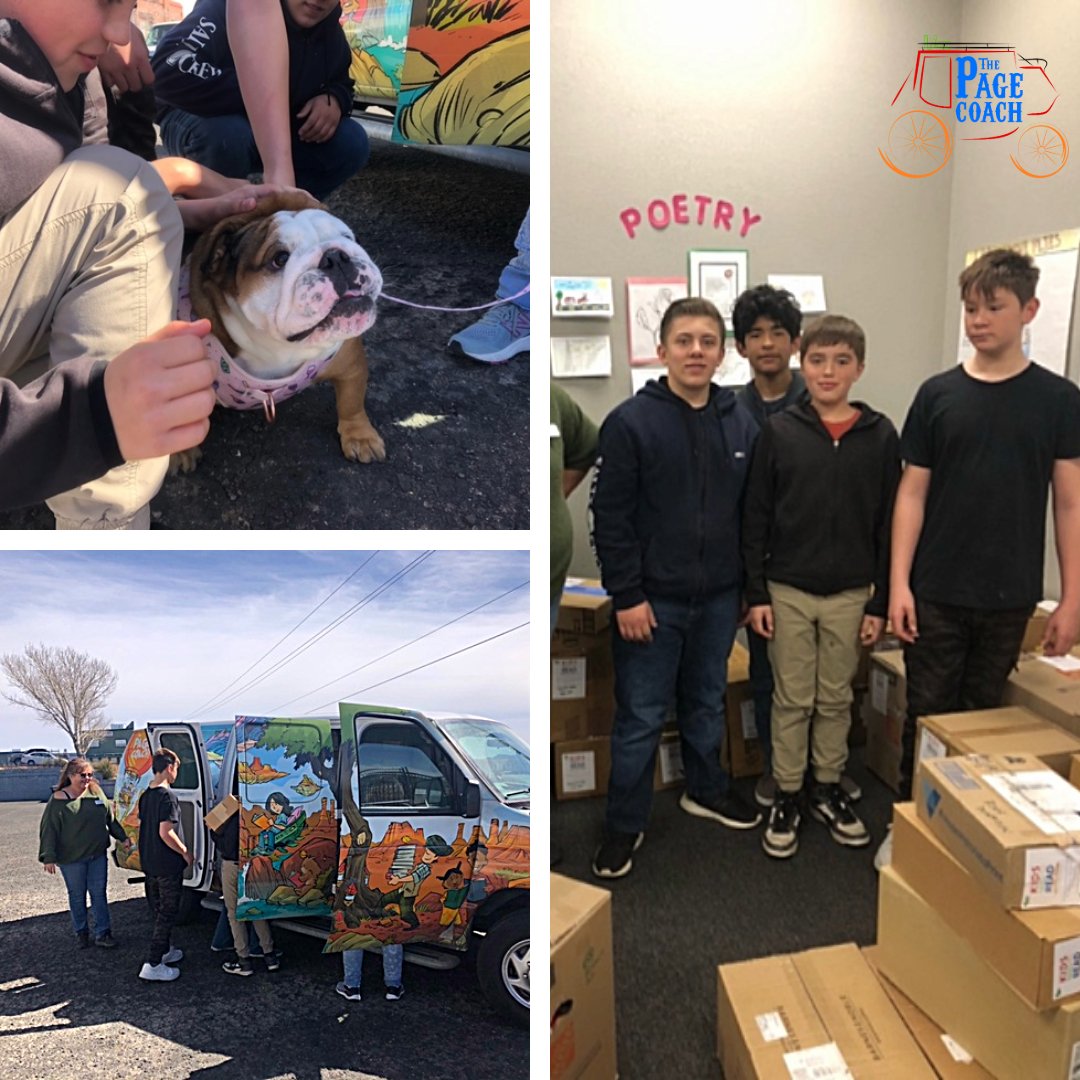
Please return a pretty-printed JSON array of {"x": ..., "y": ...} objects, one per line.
[{"x": 237, "y": 389}]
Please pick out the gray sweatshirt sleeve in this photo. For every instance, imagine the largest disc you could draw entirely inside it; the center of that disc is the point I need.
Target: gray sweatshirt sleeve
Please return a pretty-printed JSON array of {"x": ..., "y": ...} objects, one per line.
[{"x": 55, "y": 433}]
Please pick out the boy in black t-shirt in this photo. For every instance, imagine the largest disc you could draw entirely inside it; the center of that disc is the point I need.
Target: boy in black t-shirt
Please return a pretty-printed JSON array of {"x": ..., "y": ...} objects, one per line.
[
  {"x": 163, "y": 856},
  {"x": 982, "y": 443}
]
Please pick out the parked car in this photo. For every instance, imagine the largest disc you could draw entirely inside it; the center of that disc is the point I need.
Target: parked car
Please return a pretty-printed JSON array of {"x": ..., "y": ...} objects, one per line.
[
  {"x": 377, "y": 825},
  {"x": 155, "y": 34},
  {"x": 36, "y": 757}
]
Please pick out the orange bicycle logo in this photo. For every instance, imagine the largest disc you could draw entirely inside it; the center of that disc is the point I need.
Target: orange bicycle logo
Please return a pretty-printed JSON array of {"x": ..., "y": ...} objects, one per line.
[{"x": 991, "y": 90}]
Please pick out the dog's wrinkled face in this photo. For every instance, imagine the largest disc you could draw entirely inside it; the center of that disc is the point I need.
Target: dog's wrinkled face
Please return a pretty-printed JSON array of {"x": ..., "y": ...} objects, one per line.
[{"x": 288, "y": 287}]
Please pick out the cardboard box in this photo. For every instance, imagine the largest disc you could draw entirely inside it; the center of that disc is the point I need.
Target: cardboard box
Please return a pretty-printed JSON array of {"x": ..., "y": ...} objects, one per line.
[
  {"x": 222, "y": 812},
  {"x": 1041, "y": 684},
  {"x": 1035, "y": 952},
  {"x": 1036, "y": 626},
  {"x": 582, "y": 767},
  {"x": 884, "y": 709},
  {"x": 952, "y": 984},
  {"x": 1013, "y": 823},
  {"x": 948, "y": 1059},
  {"x": 741, "y": 753},
  {"x": 812, "y": 1011},
  {"x": 1074, "y": 770},
  {"x": 996, "y": 731},
  {"x": 582, "y": 685},
  {"x": 582, "y": 982},
  {"x": 669, "y": 762},
  {"x": 585, "y": 608}
]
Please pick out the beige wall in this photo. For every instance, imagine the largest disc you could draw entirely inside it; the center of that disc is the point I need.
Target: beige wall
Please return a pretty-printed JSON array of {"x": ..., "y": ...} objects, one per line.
[{"x": 780, "y": 105}]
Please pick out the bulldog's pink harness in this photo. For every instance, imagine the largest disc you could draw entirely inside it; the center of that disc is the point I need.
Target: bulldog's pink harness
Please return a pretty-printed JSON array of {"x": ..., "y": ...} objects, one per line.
[{"x": 234, "y": 387}]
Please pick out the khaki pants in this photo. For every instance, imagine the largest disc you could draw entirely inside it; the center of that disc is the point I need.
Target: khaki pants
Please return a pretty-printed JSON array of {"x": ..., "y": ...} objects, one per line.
[
  {"x": 230, "y": 874},
  {"x": 88, "y": 267},
  {"x": 814, "y": 654}
]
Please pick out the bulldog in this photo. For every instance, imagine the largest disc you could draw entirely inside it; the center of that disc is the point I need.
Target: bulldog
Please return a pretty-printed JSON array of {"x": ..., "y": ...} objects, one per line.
[{"x": 288, "y": 292}]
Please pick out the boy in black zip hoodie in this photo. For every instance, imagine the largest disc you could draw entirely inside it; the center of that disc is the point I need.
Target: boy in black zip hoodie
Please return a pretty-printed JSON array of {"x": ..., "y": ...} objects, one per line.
[
  {"x": 201, "y": 110},
  {"x": 815, "y": 544},
  {"x": 665, "y": 508}
]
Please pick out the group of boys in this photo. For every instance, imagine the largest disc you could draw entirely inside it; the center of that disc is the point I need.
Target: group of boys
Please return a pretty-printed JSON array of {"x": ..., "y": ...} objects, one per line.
[{"x": 784, "y": 508}]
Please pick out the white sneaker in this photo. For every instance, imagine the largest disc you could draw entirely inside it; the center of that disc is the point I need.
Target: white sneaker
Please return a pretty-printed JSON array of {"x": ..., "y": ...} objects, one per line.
[
  {"x": 884, "y": 853},
  {"x": 158, "y": 973},
  {"x": 173, "y": 956}
]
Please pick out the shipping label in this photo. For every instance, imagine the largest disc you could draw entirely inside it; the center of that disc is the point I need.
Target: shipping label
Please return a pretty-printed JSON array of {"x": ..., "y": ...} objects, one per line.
[
  {"x": 567, "y": 678},
  {"x": 772, "y": 1027},
  {"x": 579, "y": 771},
  {"x": 930, "y": 746},
  {"x": 823, "y": 1062},
  {"x": 1051, "y": 877},
  {"x": 1066, "y": 973}
]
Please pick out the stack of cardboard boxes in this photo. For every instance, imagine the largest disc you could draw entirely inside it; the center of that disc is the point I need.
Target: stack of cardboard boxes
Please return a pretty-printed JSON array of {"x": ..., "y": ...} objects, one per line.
[{"x": 583, "y": 703}]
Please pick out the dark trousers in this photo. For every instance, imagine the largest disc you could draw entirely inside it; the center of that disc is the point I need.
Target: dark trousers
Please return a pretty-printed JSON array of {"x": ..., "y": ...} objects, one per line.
[
  {"x": 686, "y": 662},
  {"x": 962, "y": 659},
  {"x": 164, "y": 896}
]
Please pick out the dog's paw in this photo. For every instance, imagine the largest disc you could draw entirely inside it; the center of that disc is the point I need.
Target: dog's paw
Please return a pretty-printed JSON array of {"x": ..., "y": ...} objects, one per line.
[
  {"x": 364, "y": 446},
  {"x": 184, "y": 461}
]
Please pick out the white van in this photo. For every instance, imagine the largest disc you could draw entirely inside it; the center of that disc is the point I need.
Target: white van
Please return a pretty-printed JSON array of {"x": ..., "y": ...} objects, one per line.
[{"x": 380, "y": 825}]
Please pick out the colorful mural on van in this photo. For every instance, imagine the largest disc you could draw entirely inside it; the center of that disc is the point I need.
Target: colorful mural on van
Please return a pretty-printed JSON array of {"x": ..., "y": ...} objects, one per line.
[{"x": 132, "y": 779}]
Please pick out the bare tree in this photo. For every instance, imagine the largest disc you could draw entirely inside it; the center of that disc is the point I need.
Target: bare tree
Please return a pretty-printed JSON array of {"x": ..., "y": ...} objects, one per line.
[{"x": 64, "y": 687}]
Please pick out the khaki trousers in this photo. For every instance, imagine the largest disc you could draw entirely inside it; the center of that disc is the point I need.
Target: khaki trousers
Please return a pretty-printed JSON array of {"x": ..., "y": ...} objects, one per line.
[
  {"x": 88, "y": 267},
  {"x": 814, "y": 654},
  {"x": 230, "y": 875}
]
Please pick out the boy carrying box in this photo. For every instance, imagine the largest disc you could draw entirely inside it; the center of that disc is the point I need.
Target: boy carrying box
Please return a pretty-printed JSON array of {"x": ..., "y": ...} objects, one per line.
[{"x": 815, "y": 545}]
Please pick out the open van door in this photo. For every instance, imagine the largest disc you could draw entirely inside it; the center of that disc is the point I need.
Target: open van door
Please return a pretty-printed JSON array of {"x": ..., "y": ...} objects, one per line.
[
  {"x": 132, "y": 779},
  {"x": 192, "y": 790},
  {"x": 288, "y": 816},
  {"x": 410, "y": 812}
]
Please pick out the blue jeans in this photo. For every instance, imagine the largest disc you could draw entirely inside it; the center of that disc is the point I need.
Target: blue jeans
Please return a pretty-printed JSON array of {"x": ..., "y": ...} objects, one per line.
[
  {"x": 223, "y": 939},
  {"x": 761, "y": 689},
  {"x": 88, "y": 875},
  {"x": 686, "y": 662},
  {"x": 515, "y": 275},
  {"x": 392, "y": 960},
  {"x": 227, "y": 145}
]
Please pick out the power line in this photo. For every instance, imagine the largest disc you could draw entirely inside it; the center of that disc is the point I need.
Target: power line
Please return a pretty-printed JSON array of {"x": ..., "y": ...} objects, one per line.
[
  {"x": 420, "y": 667},
  {"x": 211, "y": 703},
  {"x": 443, "y": 626},
  {"x": 329, "y": 628}
]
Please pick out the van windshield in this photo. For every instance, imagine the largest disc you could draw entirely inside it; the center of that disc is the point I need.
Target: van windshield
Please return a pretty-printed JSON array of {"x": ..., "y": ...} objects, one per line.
[{"x": 497, "y": 753}]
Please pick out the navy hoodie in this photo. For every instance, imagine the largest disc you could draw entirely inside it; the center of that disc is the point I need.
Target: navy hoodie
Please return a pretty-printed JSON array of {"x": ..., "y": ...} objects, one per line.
[
  {"x": 666, "y": 500},
  {"x": 194, "y": 68}
]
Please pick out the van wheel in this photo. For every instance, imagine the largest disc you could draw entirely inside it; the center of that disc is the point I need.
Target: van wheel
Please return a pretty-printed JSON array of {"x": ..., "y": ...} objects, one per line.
[{"x": 502, "y": 966}]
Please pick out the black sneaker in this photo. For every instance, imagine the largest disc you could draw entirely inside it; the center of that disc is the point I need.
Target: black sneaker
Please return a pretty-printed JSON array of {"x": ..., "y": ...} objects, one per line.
[
  {"x": 850, "y": 788},
  {"x": 613, "y": 860},
  {"x": 273, "y": 961},
  {"x": 730, "y": 810},
  {"x": 765, "y": 790},
  {"x": 238, "y": 967},
  {"x": 105, "y": 941},
  {"x": 781, "y": 836},
  {"x": 83, "y": 938},
  {"x": 832, "y": 807},
  {"x": 395, "y": 993}
]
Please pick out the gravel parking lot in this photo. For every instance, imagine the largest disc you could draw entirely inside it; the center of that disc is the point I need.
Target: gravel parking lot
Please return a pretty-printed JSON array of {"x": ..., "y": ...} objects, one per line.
[{"x": 67, "y": 1012}]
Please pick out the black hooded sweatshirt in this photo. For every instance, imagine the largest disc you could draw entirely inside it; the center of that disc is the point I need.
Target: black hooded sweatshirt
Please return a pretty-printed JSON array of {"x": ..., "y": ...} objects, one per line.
[
  {"x": 818, "y": 511},
  {"x": 667, "y": 495}
]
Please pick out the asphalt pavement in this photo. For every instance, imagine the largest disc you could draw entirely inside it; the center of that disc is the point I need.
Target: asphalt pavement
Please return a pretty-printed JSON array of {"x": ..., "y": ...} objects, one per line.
[
  {"x": 441, "y": 229},
  {"x": 66, "y": 1012}
]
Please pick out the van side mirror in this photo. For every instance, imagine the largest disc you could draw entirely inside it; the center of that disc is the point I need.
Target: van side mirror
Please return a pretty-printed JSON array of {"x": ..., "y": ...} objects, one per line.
[{"x": 472, "y": 800}]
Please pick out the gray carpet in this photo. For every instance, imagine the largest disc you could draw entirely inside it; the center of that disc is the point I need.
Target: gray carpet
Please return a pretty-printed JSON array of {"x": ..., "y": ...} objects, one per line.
[{"x": 700, "y": 895}]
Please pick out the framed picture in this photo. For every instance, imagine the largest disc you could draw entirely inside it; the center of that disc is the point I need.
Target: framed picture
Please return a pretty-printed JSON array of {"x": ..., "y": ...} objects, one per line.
[
  {"x": 719, "y": 276},
  {"x": 646, "y": 301},
  {"x": 582, "y": 297}
]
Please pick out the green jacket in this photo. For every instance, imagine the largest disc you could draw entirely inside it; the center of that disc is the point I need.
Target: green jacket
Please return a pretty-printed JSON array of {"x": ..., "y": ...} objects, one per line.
[{"x": 75, "y": 830}]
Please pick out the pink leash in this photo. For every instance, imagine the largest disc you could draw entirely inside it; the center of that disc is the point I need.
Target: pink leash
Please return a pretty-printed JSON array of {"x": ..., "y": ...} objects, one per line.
[{"x": 428, "y": 307}]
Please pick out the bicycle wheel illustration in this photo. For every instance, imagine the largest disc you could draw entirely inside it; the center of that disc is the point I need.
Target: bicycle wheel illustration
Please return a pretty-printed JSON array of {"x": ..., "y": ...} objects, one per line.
[{"x": 919, "y": 144}]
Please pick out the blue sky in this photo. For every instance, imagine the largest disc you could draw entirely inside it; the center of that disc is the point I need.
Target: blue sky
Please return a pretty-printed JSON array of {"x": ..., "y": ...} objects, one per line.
[{"x": 179, "y": 627}]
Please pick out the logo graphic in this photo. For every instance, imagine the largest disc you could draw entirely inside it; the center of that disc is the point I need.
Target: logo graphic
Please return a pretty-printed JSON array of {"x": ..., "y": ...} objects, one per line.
[{"x": 992, "y": 93}]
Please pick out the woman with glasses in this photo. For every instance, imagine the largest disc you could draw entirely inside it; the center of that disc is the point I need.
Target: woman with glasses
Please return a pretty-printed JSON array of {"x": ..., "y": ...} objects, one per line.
[{"x": 75, "y": 832}]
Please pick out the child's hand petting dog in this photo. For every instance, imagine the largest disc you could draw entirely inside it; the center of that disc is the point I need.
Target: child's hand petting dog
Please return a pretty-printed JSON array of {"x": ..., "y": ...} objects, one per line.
[{"x": 160, "y": 392}]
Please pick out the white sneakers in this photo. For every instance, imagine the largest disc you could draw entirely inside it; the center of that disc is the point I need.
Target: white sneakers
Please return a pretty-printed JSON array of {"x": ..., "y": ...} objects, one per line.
[
  {"x": 173, "y": 956},
  {"x": 159, "y": 972}
]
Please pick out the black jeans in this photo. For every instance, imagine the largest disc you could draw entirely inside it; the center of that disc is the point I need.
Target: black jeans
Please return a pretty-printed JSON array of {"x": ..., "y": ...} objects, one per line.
[
  {"x": 961, "y": 661},
  {"x": 164, "y": 896}
]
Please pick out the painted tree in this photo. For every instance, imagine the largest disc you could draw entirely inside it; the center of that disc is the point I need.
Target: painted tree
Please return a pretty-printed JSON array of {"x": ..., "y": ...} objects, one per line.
[{"x": 64, "y": 687}]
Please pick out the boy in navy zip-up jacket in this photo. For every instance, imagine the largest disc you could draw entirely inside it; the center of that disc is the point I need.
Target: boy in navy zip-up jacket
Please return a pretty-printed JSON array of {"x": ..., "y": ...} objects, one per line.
[
  {"x": 815, "y": 545},
  {"x": 665, "y": 507},
  {"x": 203, "y": 115}
]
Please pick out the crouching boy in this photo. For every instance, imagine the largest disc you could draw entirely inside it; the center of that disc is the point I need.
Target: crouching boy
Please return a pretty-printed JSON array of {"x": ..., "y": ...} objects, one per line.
[{"x": 815, "y": 544}]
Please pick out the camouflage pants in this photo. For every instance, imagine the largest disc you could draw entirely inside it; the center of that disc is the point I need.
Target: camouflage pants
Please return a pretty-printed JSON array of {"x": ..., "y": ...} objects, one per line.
[{"x": 961, "y": 661}]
